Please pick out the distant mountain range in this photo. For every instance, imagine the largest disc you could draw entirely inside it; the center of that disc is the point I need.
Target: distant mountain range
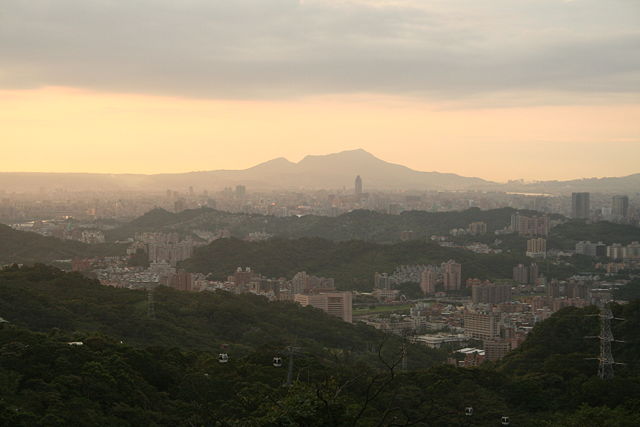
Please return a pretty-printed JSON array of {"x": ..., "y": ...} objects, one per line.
[{"x": 331, "y": 171}]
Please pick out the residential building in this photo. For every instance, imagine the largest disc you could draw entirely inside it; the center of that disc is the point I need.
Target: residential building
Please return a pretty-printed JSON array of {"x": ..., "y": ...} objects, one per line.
[
  {"x": 490, "y": 293},
  {"x": 452, "y": 275},
  {"x": 482, "y": 326},
  {"x": 537, "y": 248},
  {"x": 337, "y": 304},
  {"x": 428, "y": 281},
  {"x": 620, "y": 207},
  {"x": 580, "y": 205}
]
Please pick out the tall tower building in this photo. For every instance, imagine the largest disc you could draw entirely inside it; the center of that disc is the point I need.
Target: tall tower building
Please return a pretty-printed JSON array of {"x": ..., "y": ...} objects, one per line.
[
  {"x": 620, "y": 206},
  {"x": 358, "y": 186},
  {"x": 580, "y": 205}
]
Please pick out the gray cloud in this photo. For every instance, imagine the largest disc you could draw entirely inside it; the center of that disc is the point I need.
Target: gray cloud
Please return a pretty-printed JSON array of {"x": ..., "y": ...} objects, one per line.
[{"x": 286, "y": 48}]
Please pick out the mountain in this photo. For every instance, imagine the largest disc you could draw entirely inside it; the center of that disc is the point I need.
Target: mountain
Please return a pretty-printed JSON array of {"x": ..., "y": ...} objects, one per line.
[
  {"x": 313, "y": 172},
  {"x": 330, "y": 171}
]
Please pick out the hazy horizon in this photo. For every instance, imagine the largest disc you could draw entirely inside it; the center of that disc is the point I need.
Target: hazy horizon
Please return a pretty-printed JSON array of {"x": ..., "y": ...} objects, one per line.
[
  {"x": 534, "y": 90},
  {"x": 296, "y": 161}
]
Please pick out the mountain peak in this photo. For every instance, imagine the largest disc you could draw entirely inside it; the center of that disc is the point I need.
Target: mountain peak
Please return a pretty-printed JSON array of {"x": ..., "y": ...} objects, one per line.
[
  {"x": 273, "y": 164},
  {"x": 348, "y": 155}
]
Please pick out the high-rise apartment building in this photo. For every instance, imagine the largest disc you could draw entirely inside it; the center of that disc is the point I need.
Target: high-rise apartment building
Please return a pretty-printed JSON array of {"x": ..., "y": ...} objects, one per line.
[
  {"x": 490, "y": 293},
  {"x": 537, "y": 248},
  {"x": 620, "y": 207},
  {"x": 580, "y": 205},
  {"x": 452, "y": 275},
  {"x": 358, "y": 186},
  {"x": 428, "y": 281},
  {"x": 496, "y": 349},
  {"x": 530, "y": 225},
  {"x": 337, "y": 304},
  {"x": 521, "y": 274},
  {"x": 241, "y": 190},
  {"x": 526, "y": 274},
  {"x": 482, "y": 326},
  {"x": 381, "y": 281},
  {"x": 477, "y": 228}
]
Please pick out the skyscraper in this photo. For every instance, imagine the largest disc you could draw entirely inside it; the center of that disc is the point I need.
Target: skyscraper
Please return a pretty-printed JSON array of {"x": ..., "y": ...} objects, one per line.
[
  {"x": 620, "y": 206},
  {"x": 580, "y": 205},
  {"x": 358, "y": 186}
]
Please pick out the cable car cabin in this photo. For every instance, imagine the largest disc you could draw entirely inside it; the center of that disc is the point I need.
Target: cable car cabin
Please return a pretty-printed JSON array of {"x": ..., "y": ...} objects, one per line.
[
  {"x": 505, "y": 421},
  {"x": 468, "y": 411},
  {"x": 277, "y": 362},
  {"x": 223, "y": 358}
]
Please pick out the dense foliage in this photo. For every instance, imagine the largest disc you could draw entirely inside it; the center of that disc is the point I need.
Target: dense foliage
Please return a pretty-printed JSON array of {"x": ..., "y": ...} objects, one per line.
[
  {"x": 109, "y": 381},
  {"x": 629, "y": 291},
  {"x": 26, "y": 247},
  {"x": 351, "y": 263},
  {"x": 42, "y": 297},
  {"x": 360, "y": 224},
  {"x": 566, "y": 235}
]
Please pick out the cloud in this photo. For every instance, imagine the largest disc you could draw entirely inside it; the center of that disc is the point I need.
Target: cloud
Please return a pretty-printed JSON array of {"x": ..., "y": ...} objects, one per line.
[{"x": 289, "y": 48}]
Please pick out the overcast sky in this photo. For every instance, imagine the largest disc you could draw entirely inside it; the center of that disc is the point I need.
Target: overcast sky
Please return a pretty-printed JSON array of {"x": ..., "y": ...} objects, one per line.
[
  {"x": 448, "y": 54},
  {"x": 284, "y": 48}
]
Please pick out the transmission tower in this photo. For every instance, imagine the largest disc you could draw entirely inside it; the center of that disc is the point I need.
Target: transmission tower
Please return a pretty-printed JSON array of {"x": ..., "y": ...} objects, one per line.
[
  {"x": 151, "y": 305},
  {"x": 606, "y": 361}
]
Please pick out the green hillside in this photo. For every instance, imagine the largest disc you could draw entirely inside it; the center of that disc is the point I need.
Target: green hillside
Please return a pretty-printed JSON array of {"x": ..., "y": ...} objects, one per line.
[
  {"x": 127, "y": 374},
  {"x": 41, "y": 298},
  {"x": 26, "y": 247},
  {"x": 356, "y": 225},
  {"x": 351, "y": 263},
  {"x": 566, "y": 235}
]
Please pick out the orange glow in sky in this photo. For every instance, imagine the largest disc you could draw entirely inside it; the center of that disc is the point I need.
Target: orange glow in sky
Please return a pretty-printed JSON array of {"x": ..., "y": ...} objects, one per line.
[{"x": 58, "y": 129}]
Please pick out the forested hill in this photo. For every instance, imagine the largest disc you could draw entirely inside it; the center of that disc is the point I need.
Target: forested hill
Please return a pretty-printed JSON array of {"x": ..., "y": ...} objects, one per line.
[
  {"x": 356, "y": 225},
  {"x": 42, "y": 298},
  {"x": 351, "y": 263},
  {"x": 113, "y": 380},
  {"x": 26, "y": 247}
]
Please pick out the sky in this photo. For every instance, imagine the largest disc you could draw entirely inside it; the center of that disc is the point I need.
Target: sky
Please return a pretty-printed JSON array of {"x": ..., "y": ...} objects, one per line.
[{"x": 504, "y": 89}]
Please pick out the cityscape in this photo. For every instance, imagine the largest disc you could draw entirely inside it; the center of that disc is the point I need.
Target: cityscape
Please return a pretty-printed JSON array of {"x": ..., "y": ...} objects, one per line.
[{"x": 315, "y": 213}]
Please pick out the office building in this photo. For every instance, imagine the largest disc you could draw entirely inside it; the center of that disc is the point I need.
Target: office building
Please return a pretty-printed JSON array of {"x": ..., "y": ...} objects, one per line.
[{"x": 580, "y": 205}]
